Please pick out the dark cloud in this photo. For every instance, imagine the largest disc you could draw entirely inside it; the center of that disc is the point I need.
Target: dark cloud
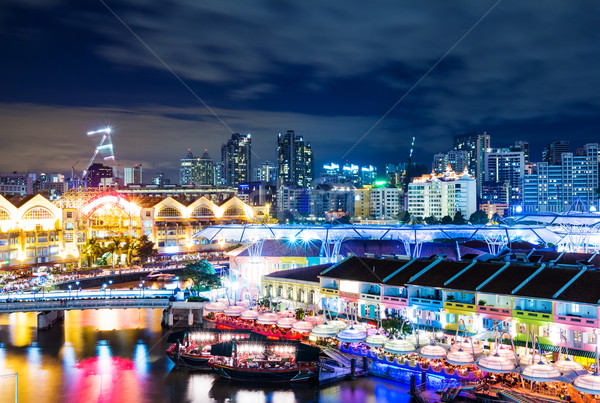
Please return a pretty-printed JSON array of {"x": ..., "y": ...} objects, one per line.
[{"x": 529, "y": 71}]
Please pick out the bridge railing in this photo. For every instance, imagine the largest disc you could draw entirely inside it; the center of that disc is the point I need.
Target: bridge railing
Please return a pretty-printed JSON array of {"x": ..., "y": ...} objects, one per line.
[
  {"x": 54, "y": 305},
  {"x": 85, "y": 294}
]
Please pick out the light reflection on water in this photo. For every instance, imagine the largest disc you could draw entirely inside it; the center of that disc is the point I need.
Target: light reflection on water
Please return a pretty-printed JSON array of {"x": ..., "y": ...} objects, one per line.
[{"x": 119, "y": 356}]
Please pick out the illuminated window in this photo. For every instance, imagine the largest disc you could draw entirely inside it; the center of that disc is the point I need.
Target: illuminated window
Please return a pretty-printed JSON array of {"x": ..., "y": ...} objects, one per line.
[
  {"x": 202, "y": 212},
  {"x": 38, "y": 213},
  {"x": 4, "y": 215},
  {"x": 234, "y": 211},
  {"x": 169, "y": 212}
]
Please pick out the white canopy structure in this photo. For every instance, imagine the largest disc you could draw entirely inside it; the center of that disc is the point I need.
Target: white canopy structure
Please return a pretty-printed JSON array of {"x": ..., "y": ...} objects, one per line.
[
  {"x": 234, "y": 310},
  {"x": 302, "y": 326},
  {"x": 324, "y": 331},
  {"x": 249, "y": 314},
  {"x": 268, "y": 318},
  {"x": 376, "y": 340},
  {"x": 460, "y": 357},
  {"x": 496, "y": 364},
  {"x": 399, "y": 346},
  {"x": 286, "y": 322},
  {"x": 214, "y": 307}
]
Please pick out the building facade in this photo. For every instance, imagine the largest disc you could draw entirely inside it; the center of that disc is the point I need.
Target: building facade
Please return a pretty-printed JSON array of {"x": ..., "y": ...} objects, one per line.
[
  {"x": 236, "y": 156},
  {"x": 295, "y": 164}
]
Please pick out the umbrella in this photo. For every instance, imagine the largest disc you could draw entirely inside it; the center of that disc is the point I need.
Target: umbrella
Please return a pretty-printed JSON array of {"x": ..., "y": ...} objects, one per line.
[
  {"x": 234, "y": 310},
  {"x": 339, "y": 324},
  {"x": 249, "y": 314},
  {"x": 460, "y": 357},
  {"x": 286, "y": 322},
  {"x": 315, "y": 320},
  {"x": 376, "y": 340},
  {"x": 214, "y": 307},
  {"x": 399, "y": 346},
  {"x": 527, "y": 359},
  {"x": 324, "y": 331},
  {"x": 433, "y": 351},
  {"x": 541, "y": 372},
  {"x": 351, "y": 335},
  {"x": 302, "y": 326},
  {"x": 588, "y": 383},
  {"x": 496, "y": 364},
  {"x": 268, "y": 318}
]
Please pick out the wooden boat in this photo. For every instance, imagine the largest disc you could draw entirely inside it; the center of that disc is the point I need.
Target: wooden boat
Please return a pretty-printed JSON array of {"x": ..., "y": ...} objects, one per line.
[
  {"x": 191, "y": 349},
  {"x": 267, "y": 361}
]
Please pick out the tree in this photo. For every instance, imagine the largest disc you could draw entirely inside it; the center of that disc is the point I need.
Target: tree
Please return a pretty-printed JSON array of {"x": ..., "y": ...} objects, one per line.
[
  {"x": 144, "y": 249},
  {"x": 203, "y": 275},
  {"x": 446, "y": 220},
  {"x": 91, "y": 251},
  {"x": 459, "y": 219},
  {"x": 479, "y": 217},
  {"x": 431, "y": 220},
  {"x": 404, "y": 216}
]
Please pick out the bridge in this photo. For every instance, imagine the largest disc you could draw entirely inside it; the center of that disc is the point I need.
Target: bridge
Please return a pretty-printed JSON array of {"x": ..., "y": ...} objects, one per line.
[{"x": 51, "y": 305}]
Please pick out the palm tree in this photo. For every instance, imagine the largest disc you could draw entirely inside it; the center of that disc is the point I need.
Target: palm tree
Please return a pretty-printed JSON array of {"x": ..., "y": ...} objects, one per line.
[
  {"x": 144, "y": 248},
  {"x": 91, "y": 250}
]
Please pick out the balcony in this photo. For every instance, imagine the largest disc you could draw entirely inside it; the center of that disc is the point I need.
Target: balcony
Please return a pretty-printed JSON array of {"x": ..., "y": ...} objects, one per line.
[
  {"x": 329, "y": 292},
  {"x": 394, "y": 300},
  {"x": 426, "y": 302},
  {"x": 542, "y": 316},
  {"x": 494, "y": 311},
  {"x": 576, "y": 320},
  {"x": 370, "y": 297},
  {"x": 459, "y": 305}
]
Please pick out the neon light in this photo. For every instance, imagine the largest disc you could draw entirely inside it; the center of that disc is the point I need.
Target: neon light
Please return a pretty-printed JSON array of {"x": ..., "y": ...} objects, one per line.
[{"x": 129, "y": 207}]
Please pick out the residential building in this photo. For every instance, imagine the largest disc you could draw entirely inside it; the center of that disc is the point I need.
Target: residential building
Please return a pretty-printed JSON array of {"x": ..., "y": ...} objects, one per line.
[
  {"x": 505, "y": 167},
  {"x": 188, "y": 171},
  {"x": 133, "y": 175},
  {"x": 236, "y": 156},
  {"x": 99, "y": 174},
  {"x": 475, "y": 145},
  {"x": 457, "y": 160},
  {"x": 16, "y": 183},
  {"x": 206, "y": 170},
  {"x": 555, "y": 187},
  {"x": 295, "y": 163},
  {"x": 332, "y": 198},
  {"x": 442, "y": 195},
  {"x": 553, "y": 152},
  {"x": 266, "y": 172}
]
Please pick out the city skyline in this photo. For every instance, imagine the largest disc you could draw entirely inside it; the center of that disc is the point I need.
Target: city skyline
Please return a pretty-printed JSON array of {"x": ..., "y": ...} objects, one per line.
[{"x": 329, "y": 73}]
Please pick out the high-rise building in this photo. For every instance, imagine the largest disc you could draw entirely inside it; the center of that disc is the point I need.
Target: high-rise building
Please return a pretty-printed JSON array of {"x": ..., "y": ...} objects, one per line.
[
  {"x": 458, "y": 161},
  {"x": 133, "y": 175},
  {"x": 554, "y": 188},
  {"x": 332, "y": 198},
  {"x": 188, "y": 171},
  {"x": 219, "y": 180},
  {"x": 206, "y": 170},
  {"x": 98, "y": 174},
  {"x": 17, "y": 184},
  {"x": 506, "y": 168},
  {"x": 552, "y": 154},
  {"x": 442, "y": 195},
  {"x": 475, "y": 145},
  {"x": 159, "y": 179},
  {"x": 236, "y": 156},
  {"x": 266, "y": 172},
  {"x": 368, "y": 175},
  {"x": 522, "y": 146},
  {"x": 295, "y": 164}
]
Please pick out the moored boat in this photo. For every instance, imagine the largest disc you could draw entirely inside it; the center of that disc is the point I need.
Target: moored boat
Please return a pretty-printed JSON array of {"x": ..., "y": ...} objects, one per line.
[{"x": 265, "y": 361}]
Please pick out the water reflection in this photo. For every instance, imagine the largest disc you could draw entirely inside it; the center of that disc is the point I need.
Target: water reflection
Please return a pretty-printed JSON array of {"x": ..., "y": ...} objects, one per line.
[{"x": 118, "y": 355}]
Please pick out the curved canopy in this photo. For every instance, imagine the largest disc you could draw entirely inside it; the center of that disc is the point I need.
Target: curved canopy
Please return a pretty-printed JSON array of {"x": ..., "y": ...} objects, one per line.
[
  {"x": 339, "y": 324},
  {"x": 302, "y": 326},
  {"x": 568, "y": 365},
  {"x": 399, "y": 346},
  {"x": 420, "y": 233},
  {"x": 324, "y": 331},
  {"x": 286, "y": 322},
  {"x": 315, "y": 320},
  {"x": 234, "y": 310},
  {"x": 268, "y": 318},
  {"x": 496, "y": 364},
  {"x": 214, "y": 307},
  {"x": 286, "y": 313},
  {"x": 351, "y": 335},
  {"x": 541, "y": 372},
  {"x": 588, "y": 383},
  {"x": 376, "y": 340},
  {"x": 529, "y": 359},
  {"x": 460, "y": 357},
  {"x": 507, "y": 352},
  {"x": 249, "y": 314},
  {"x": 433, "y": 351},
  {"x": 477, "y": 349}
]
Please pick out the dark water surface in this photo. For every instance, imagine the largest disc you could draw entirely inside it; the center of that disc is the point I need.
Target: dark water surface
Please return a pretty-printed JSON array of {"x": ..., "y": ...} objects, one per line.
[{"x": 119, "y": 356}]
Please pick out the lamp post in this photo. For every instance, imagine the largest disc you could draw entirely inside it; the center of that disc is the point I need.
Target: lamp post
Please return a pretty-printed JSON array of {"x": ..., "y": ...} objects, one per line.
[
  {"x": 77, "y": 285},
  {"x": 70, "y": 291},
  {"x": 104, "y": 288},
  {"x": 141, "y": 289},
  {"x": 109, "y": 289}
]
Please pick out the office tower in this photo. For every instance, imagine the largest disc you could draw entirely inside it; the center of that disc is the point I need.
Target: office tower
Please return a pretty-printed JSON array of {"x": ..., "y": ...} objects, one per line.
[
  {"x": 236, "y": 156},
  {"x": 133, "y": 175},
  {"x": 505, "y": 167},
  {"x": 368, "y": 175},
  {"x": 295, "y": 163},
  {"x": 475, "y": 145},
  {"x": 188, "y": 171},
  {"x": 553, "y": 152},
  {"x": 98, "y": 174},
  {"x": 554, "y": 188},
  {"x": 16, "y": 183},
  {"x": 206, "y": 170},
  {"x": 159, "y": 179},
  {"x": 266, "y": 172}
]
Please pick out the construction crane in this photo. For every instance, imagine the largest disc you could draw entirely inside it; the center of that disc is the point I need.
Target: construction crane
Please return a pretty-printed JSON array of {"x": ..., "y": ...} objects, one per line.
[
  {"x": 408, "y": 169},
  {"x": 104, "y": 148}
]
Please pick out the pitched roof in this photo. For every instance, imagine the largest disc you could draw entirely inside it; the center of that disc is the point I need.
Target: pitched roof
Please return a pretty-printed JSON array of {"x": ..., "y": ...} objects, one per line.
[
  {"x": 284, "y": 248},
  {"x": 584, "y": 289},
  {"x": 547, "y": 282},
  {"x": 410, "y": 269},
  {"x": 439, "y": 274},
  {"x": 309, "y": 274},
  {"x": 363, "y": 269},
  {"x": 509, "y": 279},
  {"x": 475, "y": 276}
]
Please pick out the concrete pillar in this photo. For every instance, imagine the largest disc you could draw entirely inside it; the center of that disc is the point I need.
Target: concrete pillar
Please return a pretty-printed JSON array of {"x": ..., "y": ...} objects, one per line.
[
  {"x": 190, "y": 317},
  {"x": 170, "y": 318},
  {"x": 45, "y": 320}
]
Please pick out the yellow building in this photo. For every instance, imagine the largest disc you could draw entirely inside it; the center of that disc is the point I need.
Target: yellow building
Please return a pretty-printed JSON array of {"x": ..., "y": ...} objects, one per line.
[{"x": 298, "y": 288}]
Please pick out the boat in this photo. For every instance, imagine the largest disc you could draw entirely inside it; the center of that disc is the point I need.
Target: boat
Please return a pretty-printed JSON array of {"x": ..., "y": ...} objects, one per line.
[
  {"x": 265, "y": 361},
  {"x": 158, "y": 276},
  {"x": 191, "y": 349}
]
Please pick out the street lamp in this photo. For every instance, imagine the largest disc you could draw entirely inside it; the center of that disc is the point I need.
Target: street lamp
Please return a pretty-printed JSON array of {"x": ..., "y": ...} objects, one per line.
[
  {"x": 104, "y": 288},
  {"x": 141, "y": 290},
  {"x": 77, "y": 284},
  {"x": 109, "y": 289},
  {"x": 70, "y": 291}
]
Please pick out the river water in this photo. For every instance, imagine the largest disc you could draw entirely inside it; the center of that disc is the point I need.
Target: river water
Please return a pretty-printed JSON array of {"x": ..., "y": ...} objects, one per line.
[{"x": 119, "y": 356}]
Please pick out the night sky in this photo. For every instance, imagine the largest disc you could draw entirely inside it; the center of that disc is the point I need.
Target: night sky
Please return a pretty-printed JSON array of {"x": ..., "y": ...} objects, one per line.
[{"x": 327, "y": 69}]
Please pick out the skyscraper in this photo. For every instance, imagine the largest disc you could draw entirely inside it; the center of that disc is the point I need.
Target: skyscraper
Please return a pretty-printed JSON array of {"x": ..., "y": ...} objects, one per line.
[
  {"x": 188, "y": 171},
  {"x": 475, "y": 145},
  {"x": 294, "y": 161},
  {"x": 206, "y": 170},
  {"x": 265, "y": 172},
  {"x": 553, "y": 152},
  {"x": 132, "y": 175},
  {"x": 505, "y": 167},
  {"x": 236, "y": 156}
]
